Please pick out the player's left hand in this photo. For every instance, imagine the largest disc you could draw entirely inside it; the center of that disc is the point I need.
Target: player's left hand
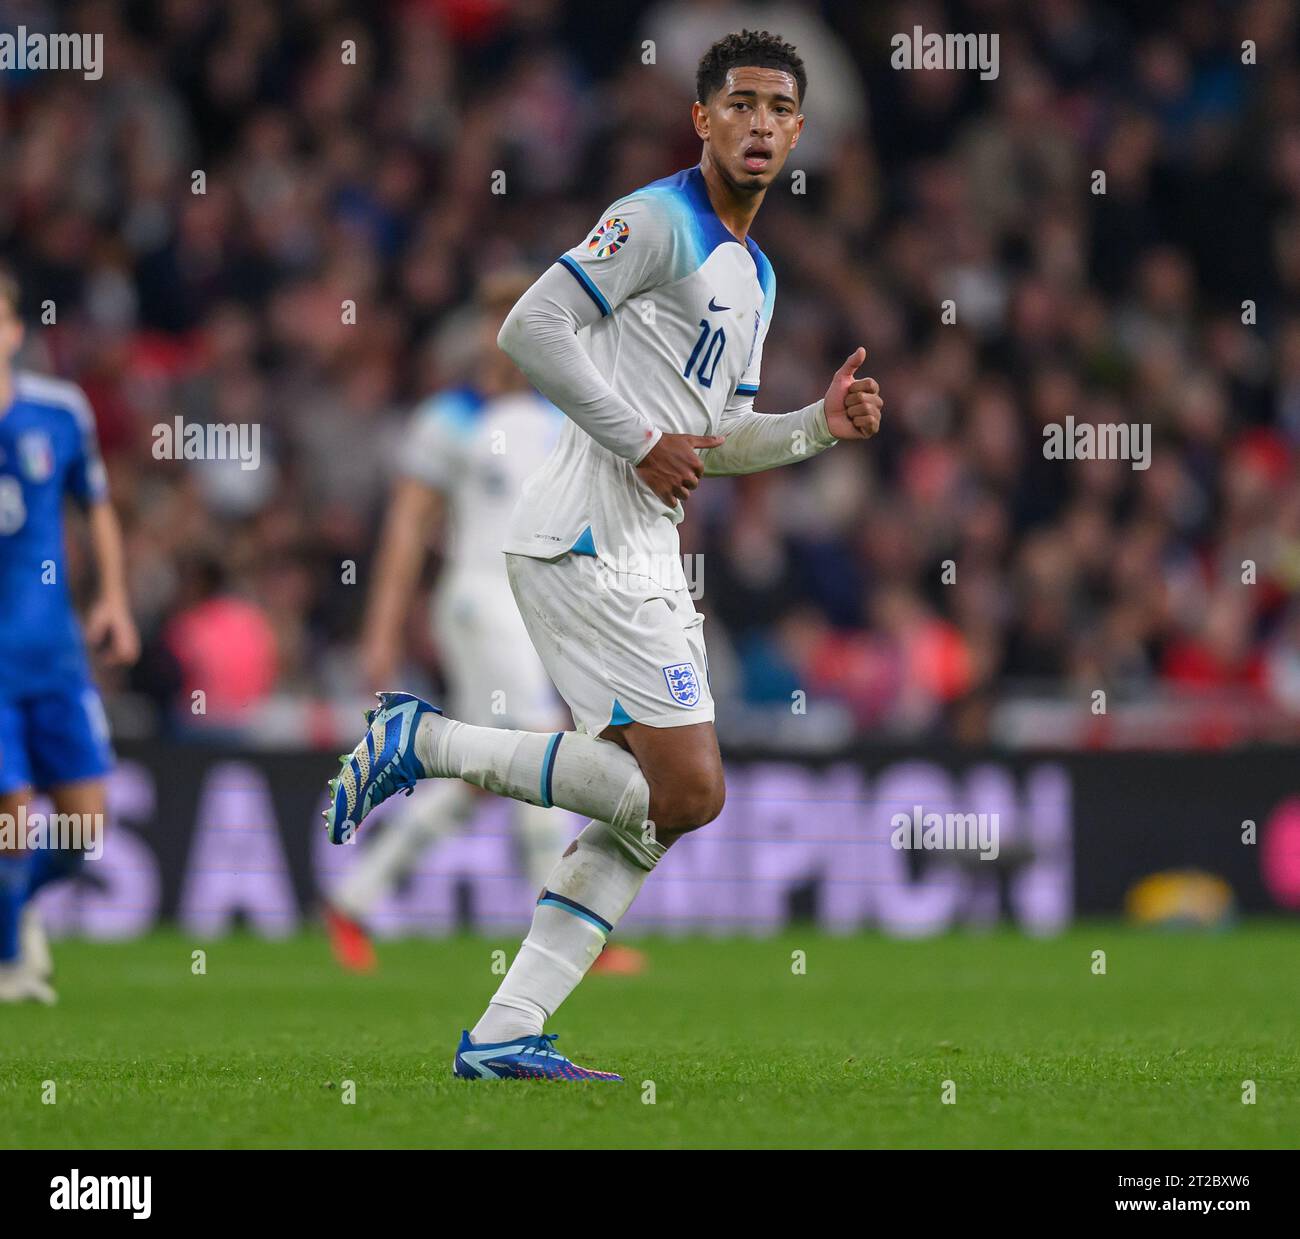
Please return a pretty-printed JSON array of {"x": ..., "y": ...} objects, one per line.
[
  {"x": 853, "y": 406},
  {"x": 111, "y": 632}
]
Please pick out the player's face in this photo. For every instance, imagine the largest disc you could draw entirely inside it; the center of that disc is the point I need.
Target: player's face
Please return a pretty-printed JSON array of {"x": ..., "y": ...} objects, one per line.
[
  {"x": 11, "y": 332},
  {"x": 750, "y": 125}
]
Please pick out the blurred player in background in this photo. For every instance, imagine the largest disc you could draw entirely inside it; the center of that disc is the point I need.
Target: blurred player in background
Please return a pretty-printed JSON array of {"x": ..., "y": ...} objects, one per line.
[
  {"x": 53, "y": 731},
  {"x": 649, "y": 335},
  {"x": 460, "y": 470}
]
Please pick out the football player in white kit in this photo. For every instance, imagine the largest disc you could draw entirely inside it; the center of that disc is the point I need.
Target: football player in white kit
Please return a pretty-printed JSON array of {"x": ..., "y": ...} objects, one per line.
[
  {"x": 649, "y": 336},
  {"x": 460, "y": 469}
]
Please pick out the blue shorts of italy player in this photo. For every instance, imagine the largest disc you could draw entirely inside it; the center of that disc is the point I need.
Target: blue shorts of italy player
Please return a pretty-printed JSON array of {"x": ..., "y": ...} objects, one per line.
[{"x": 52, "y": 738}]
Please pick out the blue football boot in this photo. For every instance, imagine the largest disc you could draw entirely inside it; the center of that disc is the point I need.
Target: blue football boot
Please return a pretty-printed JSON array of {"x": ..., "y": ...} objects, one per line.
[
  {"x": 526, "y": 1058},
  {"x": 383, "y": 763}
]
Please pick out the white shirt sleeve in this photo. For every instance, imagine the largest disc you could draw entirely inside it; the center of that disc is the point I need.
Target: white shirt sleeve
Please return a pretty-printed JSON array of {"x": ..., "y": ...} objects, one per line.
[
  {"x": 630, "y": 250},
  {"x": 757, "y": 441}
]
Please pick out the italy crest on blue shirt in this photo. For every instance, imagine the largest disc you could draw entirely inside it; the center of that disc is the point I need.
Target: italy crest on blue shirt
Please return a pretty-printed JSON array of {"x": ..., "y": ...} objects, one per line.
[
  {"x": 683, "y": 683},
  {"x": 36, "y": 453}
]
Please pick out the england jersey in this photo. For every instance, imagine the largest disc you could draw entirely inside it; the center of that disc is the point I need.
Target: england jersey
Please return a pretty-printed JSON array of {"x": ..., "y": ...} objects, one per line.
[
  {"x": 477, "y": 453},
  {"x": 683, "y": 311},
  {"x": 48, "y": 452}
]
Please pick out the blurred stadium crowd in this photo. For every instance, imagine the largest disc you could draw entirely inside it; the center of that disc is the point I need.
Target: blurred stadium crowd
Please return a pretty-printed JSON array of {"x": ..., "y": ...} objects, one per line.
[{"x": 373, "y": 181}]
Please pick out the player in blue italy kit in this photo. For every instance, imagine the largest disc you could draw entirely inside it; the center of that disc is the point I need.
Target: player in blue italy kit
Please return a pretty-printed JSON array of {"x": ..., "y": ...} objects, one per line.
[{"x": 53, "y": 733}]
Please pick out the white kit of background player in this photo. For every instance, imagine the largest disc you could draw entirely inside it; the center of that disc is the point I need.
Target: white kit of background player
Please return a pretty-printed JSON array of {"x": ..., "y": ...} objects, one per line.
[{"x": 473, "y": 451}]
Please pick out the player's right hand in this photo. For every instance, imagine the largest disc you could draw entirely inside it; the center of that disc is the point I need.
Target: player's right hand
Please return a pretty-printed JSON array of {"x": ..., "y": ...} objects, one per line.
[
  {"x": 111, "y": 632},
  {"x": 672, "y": 469}
]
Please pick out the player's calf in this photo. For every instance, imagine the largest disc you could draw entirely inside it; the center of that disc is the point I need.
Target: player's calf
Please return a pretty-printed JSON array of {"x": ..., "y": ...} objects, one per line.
[{"x": 15, "y": 872}]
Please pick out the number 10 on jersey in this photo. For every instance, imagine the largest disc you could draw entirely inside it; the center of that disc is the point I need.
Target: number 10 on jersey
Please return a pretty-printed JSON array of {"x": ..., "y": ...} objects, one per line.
[{"x": 712, "y": 347}]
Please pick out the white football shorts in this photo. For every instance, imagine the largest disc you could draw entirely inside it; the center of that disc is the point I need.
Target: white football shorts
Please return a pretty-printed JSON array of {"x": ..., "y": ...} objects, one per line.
[
  {"x": 619, "y": 647},
  {"x": 493, "y": 674}
]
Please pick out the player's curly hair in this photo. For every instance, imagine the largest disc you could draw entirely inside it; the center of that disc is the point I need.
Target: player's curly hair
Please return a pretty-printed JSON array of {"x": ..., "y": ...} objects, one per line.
[{"x": 751, "y": 48}]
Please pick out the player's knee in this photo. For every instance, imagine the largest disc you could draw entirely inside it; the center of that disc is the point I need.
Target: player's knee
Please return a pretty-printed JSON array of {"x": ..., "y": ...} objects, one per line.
[
  {"x": 691, "y": 801},
  {"x": 710, "y": 803}
]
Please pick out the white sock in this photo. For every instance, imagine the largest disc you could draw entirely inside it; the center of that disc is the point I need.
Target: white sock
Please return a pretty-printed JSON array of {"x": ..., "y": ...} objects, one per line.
[
  {"x": 586, "y": 895},
  {"x": 433, "y": 813},
  {"x": 541, "y": 835},
  {"x": 596, "y": 778}
]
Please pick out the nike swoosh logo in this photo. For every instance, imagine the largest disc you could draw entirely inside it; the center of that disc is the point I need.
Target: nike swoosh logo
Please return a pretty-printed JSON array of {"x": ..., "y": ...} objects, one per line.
[{"x": 714, "y": 309}]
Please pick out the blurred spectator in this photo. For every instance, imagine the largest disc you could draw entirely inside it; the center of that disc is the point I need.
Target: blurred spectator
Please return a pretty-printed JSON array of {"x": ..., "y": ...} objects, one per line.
[
  {"x": 225, "y": 647},
  {"x": 244, "y": 223}
]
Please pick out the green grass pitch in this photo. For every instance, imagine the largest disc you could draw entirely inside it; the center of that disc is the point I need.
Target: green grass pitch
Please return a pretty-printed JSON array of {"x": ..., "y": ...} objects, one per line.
[{"x": 742, "y": 1051}]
